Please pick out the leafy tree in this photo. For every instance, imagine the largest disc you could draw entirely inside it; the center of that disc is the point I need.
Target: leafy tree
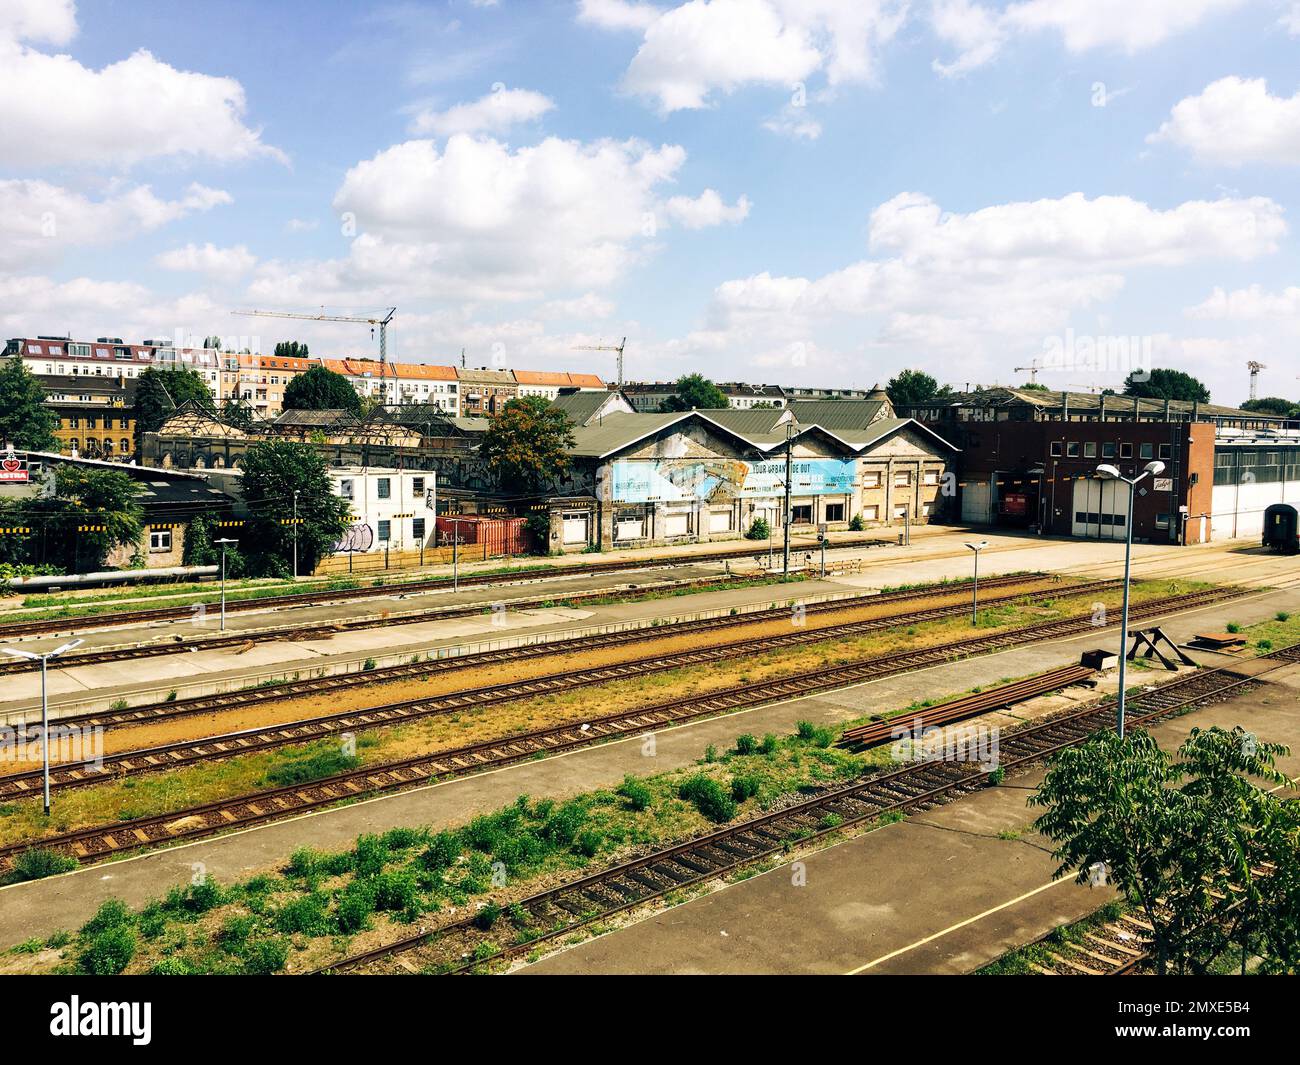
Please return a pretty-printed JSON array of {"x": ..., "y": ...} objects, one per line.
[
  {"x": 159, "y": 393},
  {"x": 213, "y": 343},
  {"x": 273, "y": 471},
  {"x": 1166, "y": 384},
  {"x": 1033, "y": 386},
  {"x": 88, "y": 497},
  {"x": 1283, "y": 408},
  {"x": 526, "y": 447},
  {"x": 695, "y": 392},
  {"x": 909, "y": 387},
  {"x": 25, "y": 420},
  {"x": 1178, "y": 838},
  {"x": 321, "y": 389},
  {"x": 291, "y": 349},
  {"x": 238, "y": 413}
]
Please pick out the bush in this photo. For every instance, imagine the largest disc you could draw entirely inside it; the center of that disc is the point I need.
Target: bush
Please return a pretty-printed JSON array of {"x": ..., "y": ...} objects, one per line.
[
  {"x": 442, "y": 850},
  {"x": 38, "y": 863},
  {"x": 108, "y": 953},
  {"x": 769, "y": 744},
  {"x": 815, "y": 734},
  {"x": 638, "y": 796},
  {"x": 111, "y": 914},
  {"x": 307, "y": 767},
  {"x": 561, "y": 827},
  {"x": 1234, "y": 626},
  {"x": 487, "y": 916},
  {"x": 744, "y": 787},
  {"x": 1282, "y": 615},
  {"x": 305, "y": 915},
  {"x": 370, "y": 856},
  {"x": 856, "y": 524},
  {"x": 395, "y": 891},
  {"x": 746, "y": 744},
  {"x": 398, "y": 839},
  {"x": 707, "y": 796},
  {"x": 171, "y": 967},
  {"x": 759, "y": 530},
  {"x": 195, "y": 899},
  {"x": 354, "y": 907},
  {"x": 265, "y": 957},
  {"x": 234, "y": 933},
  {"x": 588, "y": 842}
]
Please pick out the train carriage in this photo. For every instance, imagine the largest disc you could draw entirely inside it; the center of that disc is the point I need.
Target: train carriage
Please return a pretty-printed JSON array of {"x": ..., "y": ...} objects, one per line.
[{"x": 1280, "y": 528}]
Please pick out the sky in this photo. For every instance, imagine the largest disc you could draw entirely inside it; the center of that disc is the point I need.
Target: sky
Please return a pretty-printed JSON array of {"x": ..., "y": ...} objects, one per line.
[{"x": 801, "y": 192}]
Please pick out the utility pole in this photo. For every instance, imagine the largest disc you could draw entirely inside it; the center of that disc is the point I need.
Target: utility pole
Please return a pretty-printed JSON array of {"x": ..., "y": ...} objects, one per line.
[
  {"x": 43, "y": 658},
  {"x": 295, "y": 534},
  {"x": 785, "y": 518}
]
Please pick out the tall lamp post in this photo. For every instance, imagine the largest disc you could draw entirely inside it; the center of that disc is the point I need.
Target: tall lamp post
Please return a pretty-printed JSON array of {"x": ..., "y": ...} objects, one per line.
[
  {"x": 1111, "y": 473},
  {"x": 43, "y": 658},
  {"x": 223, "y": 543},
  {"x": 295, "y": 534},
  {"x": 975, "y": 588}
]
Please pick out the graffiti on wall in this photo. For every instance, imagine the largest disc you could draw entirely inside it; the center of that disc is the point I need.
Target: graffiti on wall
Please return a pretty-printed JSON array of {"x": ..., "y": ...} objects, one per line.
[{"x": 724, "y": 480}]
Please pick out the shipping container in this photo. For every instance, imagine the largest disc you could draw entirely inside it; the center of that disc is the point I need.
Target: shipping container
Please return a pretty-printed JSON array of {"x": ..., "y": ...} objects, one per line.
[{"x": 489, "y": 536}]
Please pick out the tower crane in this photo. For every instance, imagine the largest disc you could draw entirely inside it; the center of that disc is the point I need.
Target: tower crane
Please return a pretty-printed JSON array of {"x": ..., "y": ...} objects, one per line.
[
  {"x": 608, "y": 347},
  {"x": 1033, "y": 369},
  {"x": 1254, "y": 368},
  {"x": 380, "y": 321}
]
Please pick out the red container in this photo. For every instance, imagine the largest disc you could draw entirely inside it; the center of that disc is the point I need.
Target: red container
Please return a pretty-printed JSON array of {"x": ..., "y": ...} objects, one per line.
[{"x": 490, "y": 536}]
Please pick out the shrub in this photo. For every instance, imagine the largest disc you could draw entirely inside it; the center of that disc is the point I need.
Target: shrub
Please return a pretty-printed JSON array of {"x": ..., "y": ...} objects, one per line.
[
  {"x": 395, "y": 891},
  {"x": 707, "y": 796},
  {"x": 368, "y": 665},
  {"x": 1282, "y": 615},
  {"x": 306, "y": 767},
  {"x": 111, "y": 914},
  {"x": 638, "y": 796},
  {"x": 588, "y": 842},
  {"x": 305, "y": 915},
  {"x": 1234, "y": 626},
  {"x": 108, "y": 953},
  {"x": 442, "y": 850},
  {"x": 746, "y": 744},
  {"x": 194, "y": 899},
  {"x": 38, "y": 863},
  {"x": 370, "y": 856},
  {"x": 561, "y": 827},
  {"x": 265, "y": 957},
  {"x": 171, "y": 967},
  {"x": 354, "y": 907},
  {"x": 710, "y": 753},
  {"x": 744, "y": 787},
  {"x": 769, "y": 744},
  {"x": 487, "y": 916},
  {"x": 234, "y": 933},
  {"x": 397, "y": 839},
  {"x": 759, "y": 530},
  {"x": 856, "y": 524},
  {"x": 1264, "y": 645}
]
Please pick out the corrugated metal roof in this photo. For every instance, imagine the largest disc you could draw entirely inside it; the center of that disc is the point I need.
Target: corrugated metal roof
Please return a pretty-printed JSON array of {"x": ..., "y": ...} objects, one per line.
[{"x": 836, "y": 414}]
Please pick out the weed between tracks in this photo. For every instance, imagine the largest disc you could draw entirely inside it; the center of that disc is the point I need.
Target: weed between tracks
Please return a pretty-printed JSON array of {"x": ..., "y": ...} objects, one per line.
[{"x": 151, "y": 794}]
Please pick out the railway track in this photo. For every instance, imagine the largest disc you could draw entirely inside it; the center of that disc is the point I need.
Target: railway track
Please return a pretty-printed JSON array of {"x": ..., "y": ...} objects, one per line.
[
  {"x": 96, "y": 843},
  {"x": 212, "y": 748},
  {"x": 175, "y": 644},
  {"x": 14, "y": 629},
  {"x": 566, "y": 908},
  {"x": 173, "y": 709}
]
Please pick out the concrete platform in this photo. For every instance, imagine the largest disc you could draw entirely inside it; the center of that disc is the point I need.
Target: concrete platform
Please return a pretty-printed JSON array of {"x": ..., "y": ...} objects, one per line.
[{"x": 42, "y": 907}]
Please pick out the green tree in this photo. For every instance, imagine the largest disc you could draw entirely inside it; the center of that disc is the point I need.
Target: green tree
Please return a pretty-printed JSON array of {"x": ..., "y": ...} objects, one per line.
[
  {"x": 909, "y": 387},
  {"x": 159, "y": 393},
  {"x": 85, "y": 498},
  {"x": 1166, "y": 384},
  {"x": 1177, "y": 837},
  {"x": 527, "y": 445},
  {"x": 1283, "y": 408},
  {"x": 321, "y": 389},
  {"x": 25, "y": 420},
  {"x": 695, "y": 392},
  {"x": 273, "y": 472},
  {"x": 291, "y": 349}
]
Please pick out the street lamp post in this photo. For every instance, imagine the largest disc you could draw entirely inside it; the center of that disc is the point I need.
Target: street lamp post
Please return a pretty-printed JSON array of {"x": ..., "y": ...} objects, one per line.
[
  {"x": 295, "y": 534},
  {"x": 224, "y": 542},
  {"x": 43, "y": 658},
  {"x": 1111, "y": 473},
  {"x": 975, "y": 588}
]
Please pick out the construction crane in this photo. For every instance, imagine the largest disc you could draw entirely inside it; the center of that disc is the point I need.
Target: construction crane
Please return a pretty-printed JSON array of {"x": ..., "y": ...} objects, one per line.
[
  {"x": 1033, "y": 369},
  {"x": 1254, "y": 368},
  {"x": 382, "y": 322},
  {"x": 608, "y": 347}
]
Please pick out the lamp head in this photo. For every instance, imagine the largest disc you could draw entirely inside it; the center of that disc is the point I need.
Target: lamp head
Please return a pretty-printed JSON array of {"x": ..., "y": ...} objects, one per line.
[
  {"x": 979, "y": 546},
  {"x": 1106, "y": 470},
  {"x": 1156, "y": 467}
]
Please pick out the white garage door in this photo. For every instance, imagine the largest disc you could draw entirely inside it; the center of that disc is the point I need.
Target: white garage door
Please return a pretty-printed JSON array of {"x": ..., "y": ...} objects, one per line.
[
  {"x": 1100, "y": 509},
  {"x": 977, "y": 502},
  {"x": 575, "y": 528},
  {"x": 677, "y": 525},
  {"x": 720, "y": 521}
]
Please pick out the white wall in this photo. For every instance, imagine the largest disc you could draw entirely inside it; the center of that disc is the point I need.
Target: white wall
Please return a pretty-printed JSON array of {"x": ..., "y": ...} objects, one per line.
[
  {"x": 410, "y": 492},
  {"x": 1238, "y": 510}
]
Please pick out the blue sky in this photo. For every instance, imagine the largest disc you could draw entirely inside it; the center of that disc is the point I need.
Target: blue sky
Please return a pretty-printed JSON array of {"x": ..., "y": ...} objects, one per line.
[{"x": 802, "y": 191}]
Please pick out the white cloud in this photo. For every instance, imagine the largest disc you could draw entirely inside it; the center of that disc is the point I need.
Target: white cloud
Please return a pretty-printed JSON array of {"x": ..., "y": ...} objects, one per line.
[
  {"x": 794, "y": 122},
  {"x": 39, "y": 221},
  {"x": 494, "y": 113},
  {"x": 480, "y": 220},
  {"x": 1290, "y": 20},
  {"x": 55, "y": 111},
  {"x": 588, "y": 305},
  {"x": 302, "y": 225},
  {"x": 1250, "y": 304},
  {"x": 618, "y": 14},
  {"x": 979, "y": 32},
  {"x": 224, "y": 264},
  {"x": 1234, "y": 121},
  {"x": 50, "y": 21},
  {"x": 707, "y": 46},
  {"x": 706, "y": 209}
]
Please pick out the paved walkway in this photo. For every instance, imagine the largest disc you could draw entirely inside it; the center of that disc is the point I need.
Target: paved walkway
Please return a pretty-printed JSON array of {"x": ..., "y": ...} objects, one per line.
[
  {"x": 943, "y": 892},
  {"x": 42, "y": 907}
]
